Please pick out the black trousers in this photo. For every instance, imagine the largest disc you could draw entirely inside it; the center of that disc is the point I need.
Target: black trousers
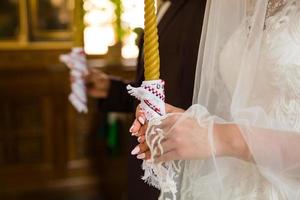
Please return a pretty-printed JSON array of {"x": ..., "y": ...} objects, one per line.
[{"x": 137, "y": 188}]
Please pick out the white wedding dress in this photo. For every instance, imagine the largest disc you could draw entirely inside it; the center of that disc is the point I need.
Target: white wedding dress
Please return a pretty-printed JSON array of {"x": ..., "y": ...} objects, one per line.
[
  {"x": 248, "y": 75},
  {"x": 281, "y": 60}
]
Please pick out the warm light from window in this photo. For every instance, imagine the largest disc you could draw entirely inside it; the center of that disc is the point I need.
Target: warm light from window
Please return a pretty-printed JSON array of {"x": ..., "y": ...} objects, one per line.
[
  {"x": 129, "y": 49},
  {"x": 99, "y": 32},
  {"x": 100, "y": 19},
  {"x": 133, "y": 14},
  {"x": 94, "y": 42}
]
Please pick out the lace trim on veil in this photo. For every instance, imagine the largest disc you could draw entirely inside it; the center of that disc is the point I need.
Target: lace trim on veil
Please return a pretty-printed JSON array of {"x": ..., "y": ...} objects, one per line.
[{"x": 160, "y": 175}]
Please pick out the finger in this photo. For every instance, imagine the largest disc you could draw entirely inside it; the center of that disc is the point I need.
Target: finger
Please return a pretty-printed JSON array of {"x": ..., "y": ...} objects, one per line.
[
  {"x": 147, "y": 155},
  {"x": 142, "y": 130},
  {"x": 139, "y": 114},
  {"x": 138, "y": 110},
  {"x": 141, "y": 148},
  {"x": 96, "y": 93},
  {"x": 141, "y": 139},
  {"x": 134, "y": 129},
  {"x": 144, "y": 156},
  {"x": 167, "y": 157},
  {"x": 165, "y": 147}
]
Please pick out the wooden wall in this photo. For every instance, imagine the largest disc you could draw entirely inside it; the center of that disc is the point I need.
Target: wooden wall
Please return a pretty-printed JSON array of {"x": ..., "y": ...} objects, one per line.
[{"x": 47, "y": 150}]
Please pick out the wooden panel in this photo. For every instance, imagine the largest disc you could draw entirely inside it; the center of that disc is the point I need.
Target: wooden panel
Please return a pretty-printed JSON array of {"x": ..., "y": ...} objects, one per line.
[
  {"x": 3, "y": 118},
  {"x": 2, "y": 159},
  {"x": 43, "y": 140},
  {"x": 27, "y": 117},
  {"x": 29, "y": 150},
  {"x": 26, "y": 129}
]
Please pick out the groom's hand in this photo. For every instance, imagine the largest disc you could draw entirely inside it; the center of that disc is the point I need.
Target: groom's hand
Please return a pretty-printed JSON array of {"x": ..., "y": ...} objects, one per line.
[{"x": 97, "y": 83}]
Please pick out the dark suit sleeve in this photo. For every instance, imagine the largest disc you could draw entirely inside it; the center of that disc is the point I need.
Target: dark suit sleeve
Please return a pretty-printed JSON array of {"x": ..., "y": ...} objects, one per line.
[{"x": 118, "y": 99}]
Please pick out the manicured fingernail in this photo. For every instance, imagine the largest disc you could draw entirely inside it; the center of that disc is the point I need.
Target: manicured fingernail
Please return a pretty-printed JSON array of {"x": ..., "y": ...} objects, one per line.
[
  {"x": 139, "y": 139},
  {"x": 134, "y": 134},
  {"x": 141, "y": 156},
  {"x": 135, "y": 151},
  {"x": 141, "y": 112},
  {"x": 141, "y": 120},
  {"x": 130, "y": 130}
]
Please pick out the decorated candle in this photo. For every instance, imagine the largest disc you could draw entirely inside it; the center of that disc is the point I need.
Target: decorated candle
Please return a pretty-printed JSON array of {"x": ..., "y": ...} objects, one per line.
[
  {"x": 151, "y": 93},
  {"x": 151, "y": 53},
  {"x": 79, "y": 24}
]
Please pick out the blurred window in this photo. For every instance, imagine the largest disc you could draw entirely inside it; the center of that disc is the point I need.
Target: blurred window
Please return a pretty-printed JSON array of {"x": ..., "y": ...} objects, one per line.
[{"x": 108, "y": 22}]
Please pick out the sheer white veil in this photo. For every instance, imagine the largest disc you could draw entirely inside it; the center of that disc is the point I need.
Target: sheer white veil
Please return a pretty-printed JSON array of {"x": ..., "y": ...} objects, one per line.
[{"x": 244, "y": 78}]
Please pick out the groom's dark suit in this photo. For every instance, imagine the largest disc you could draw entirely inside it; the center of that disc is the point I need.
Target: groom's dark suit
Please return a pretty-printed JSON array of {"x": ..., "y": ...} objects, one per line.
[{"x": 179, "y": 37}]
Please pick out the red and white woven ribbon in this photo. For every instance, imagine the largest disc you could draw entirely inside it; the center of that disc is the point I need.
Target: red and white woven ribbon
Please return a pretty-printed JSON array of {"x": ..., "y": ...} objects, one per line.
[{"x": 152, "y": 97}]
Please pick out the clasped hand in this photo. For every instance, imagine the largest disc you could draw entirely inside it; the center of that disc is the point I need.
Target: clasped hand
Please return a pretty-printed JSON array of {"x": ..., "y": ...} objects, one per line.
[{"x": 183, "y": 137}]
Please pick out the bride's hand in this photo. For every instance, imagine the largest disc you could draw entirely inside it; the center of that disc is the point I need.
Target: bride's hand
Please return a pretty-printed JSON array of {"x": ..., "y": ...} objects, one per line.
[
  {"x": 183, "y": 139},
  {"x": 187, "y": 138},
  {"x": 139, "y": 128}
]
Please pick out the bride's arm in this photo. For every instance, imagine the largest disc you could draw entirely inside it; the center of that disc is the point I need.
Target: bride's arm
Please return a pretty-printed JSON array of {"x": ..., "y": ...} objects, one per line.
[
  {"x": 227, "y": 138},
  {"x": 187, "y": 139},
  {"x": 230, "y": 142},
  {"x": 269, "y": 147}
]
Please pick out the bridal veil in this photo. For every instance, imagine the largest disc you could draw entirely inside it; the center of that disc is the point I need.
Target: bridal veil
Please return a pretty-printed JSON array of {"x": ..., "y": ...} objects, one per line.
[{"x": 248, "y": 74}]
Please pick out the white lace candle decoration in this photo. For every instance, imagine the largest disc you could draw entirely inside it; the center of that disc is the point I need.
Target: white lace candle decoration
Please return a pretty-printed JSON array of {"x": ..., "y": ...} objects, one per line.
[
  {"x": 152, "y": 97},
  {"x": 76, "y": 61}
]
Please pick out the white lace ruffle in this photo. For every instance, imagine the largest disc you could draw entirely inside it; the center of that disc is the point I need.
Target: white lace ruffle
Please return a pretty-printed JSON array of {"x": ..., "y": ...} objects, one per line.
[{"x": 159, "y": 175}]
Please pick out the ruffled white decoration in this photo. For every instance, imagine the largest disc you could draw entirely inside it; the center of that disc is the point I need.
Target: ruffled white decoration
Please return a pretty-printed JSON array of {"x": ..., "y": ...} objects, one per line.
[
  {"x": 262, "y": 98},
  {"x": 76, "y": 61},
  {"x": 152, "y": 97}
]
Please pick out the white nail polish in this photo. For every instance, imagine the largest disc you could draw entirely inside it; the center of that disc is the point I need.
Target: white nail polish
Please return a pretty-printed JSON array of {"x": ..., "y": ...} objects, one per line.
[
  {"x": 130, "y": 130},
  {"x": 134, "y": 134},
  {"x": 135, "y": 151},
  {"x": 141, "y": 156},
  {"x": 139, "y": 139},
  {"x": 141, "y": 120}
]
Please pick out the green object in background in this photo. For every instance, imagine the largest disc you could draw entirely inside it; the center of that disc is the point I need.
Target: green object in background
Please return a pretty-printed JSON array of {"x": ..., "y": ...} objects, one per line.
[
  {"x": 103, "y": 128},
  {"x": 113, "y": 133}
]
